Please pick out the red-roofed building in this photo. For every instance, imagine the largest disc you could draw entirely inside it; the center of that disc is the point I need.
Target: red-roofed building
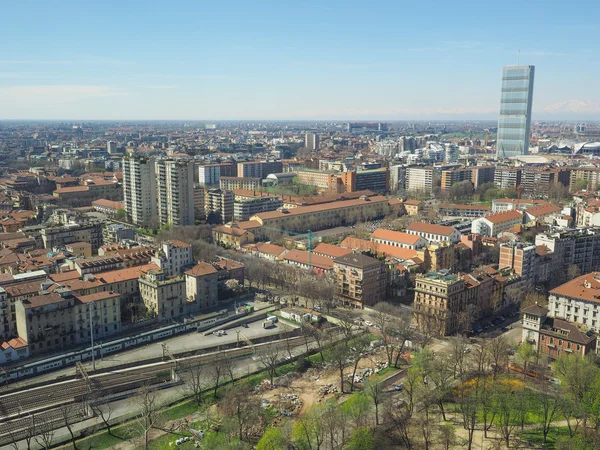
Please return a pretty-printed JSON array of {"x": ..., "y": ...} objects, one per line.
[
  {"x": 434, "y": 233},
  {"x": 398, "y": 239},
  {"x": 330, "y": 251},
  {"x": 496, "y": 223},
  {"x": 303, "y": 259}
]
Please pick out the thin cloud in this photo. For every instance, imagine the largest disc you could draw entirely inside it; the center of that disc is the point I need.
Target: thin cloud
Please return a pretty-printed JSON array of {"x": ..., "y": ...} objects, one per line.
[{"x": 56, "y": 93}]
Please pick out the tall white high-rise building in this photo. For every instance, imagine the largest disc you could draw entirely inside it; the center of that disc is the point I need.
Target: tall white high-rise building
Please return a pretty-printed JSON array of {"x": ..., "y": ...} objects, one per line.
[
  {"x": 139, "y": 189},
  {"x": 514, "y": 123},
  {"x": 312, "y": 141},
  {"x": 175, "y": 192},
  {"x": 111, "y": 147},
  {"x": 209, "y": 175}
]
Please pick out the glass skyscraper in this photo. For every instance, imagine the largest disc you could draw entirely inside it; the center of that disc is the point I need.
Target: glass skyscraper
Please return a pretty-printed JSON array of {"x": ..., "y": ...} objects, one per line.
[{"x": 515, "y": 111}]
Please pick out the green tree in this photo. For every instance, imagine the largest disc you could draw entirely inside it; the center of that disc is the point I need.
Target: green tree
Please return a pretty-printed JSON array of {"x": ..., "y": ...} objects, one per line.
[
  {"x": 273, "y": 439},
  {"x": 121, "y": 215},
  {"x": 361, "y": 439},
  {"x": 526, "y": 354}
]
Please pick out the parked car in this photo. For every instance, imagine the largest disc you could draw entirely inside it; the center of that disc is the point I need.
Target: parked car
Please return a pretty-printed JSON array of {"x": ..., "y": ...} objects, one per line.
[{"x": 399, "y": 387}]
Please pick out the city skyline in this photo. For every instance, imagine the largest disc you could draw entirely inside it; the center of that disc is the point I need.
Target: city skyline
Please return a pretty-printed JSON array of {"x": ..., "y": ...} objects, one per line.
[{"x": 264, "y": 62}]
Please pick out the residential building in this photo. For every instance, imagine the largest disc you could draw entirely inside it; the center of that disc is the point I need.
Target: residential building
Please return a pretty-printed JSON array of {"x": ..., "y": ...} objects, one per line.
[
  {"x": 509, "y": 204},
  {"x": 572, "y": 247},
  {"x": 115, "y": 233},
  {"x": 496, "y": 223},
  {"x": 173, "y": 257},
  {"x": 361, "y": 280},
  {"x": 80, "y": 249},
  {"x": 175, "y": 192},
  {"x": 434, "y": 233},
  {"x": 413, "y": 207},
  {"x": 5, "y": 316},
  {"x": 552, "y": 336},
  {"x": 258, "y": 169},
  {"x": 164, "y": 297},
  {"x": 244, "y": 209},
  {"x": 309, "y": 261},
  {"x": 323, "y": 179},
  {"x": 233, "y": 183},
  {"x": 90, "y": 232},
  {"x": 398, "y": 178},
  {"x": 482, "y": 175},
  {"x": 201, "y": 283},
  {"x": 199, "y": 202},
  {"x": 139, "y": 189},
  {"x": 515, "y": 111},
  {"x": 219, "y": 205},
  {"x": 209, "y": 175},
  {"x": 453, "y": 176},
  {"x": 376, "y": 180},
  {"x": 507, "y": 177},
  {"x": 543, "y": 213},
  {"x": 398, "y": 239},
  {"x": 312, "y": 141},
  {"x": 591, "y": 175},
  {"x": 440, "y": 299},
  {"x": 578, "y": 301},
  {"x": 232, "y": 236},
  {"x": 13, "y": 350},
  {"x": 421, "y": 179},
  {"x": 521, "y": 258},
  {"x": 539, "y": 182}
]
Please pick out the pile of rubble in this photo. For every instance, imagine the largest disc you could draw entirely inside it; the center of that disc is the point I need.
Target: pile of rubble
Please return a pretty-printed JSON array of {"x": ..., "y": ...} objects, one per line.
[
  {"x": 327, "y": 389},
  {"x": 380, "y": 365},
  {"x": 289, "y": 404}
]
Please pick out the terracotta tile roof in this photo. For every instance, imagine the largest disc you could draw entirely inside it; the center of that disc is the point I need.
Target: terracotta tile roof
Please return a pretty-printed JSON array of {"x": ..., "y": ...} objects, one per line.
[
  {"x": 542, "y": 210},
  {"x": 249, "y": 224},
  {"x": 575, "y": 334},
  {"x": 60, "y": 277},
  {"x": 331, "y": 251},
  {"x": 73, "y": 189},
  {"x": 301, "y": 257},
  {"x": 26, "y": 288},
  {"x": 102, "y": 202},
  {"x": 359, "y": 244},
  {"x": 270, "y": 249},
  {"x": 319, "y": 208},
  {"x": 395, "y": 252},
  {"x": 228, "y": 264},
  {"x": 542, "y": 250},
  {"x": 201, "y": 269},
  {"x": 14, "y": 343},
  {"x": 132, "y": 273},
  {"x": 178, "y": 243},
  {"x": 38, "y": 301},
  {"x": 504, "y": 216},
  {"x": 395, "y": 236},
  {"x": 97, "y": 296},
  {"x": 536, "y": 310},
  {"x": 586, "y": 287},
  {"x": 422, "y": 227},
  {"x": 413, "y": 202}
]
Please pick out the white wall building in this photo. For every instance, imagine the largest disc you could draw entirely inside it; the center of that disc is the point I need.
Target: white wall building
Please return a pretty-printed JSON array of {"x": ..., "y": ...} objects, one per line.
[{"x": 139, "y": 189}]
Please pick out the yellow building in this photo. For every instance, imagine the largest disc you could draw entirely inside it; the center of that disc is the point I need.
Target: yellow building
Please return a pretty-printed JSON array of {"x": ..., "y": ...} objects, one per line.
[
  {"x": 80, "y": 249},
  {"x": 232, "y": 236},
  {"x": 163, "y": 297}
]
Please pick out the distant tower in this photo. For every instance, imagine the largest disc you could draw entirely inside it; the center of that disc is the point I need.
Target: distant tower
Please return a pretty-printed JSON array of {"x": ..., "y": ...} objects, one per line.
[
  {"x": 312, "y": 141},
  {"x": 111, "y": 147},
  {"x": 514, "y": 123}
]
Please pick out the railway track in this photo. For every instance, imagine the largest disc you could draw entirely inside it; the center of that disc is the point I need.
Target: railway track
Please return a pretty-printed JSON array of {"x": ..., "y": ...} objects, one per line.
[{"x": 27, "y": 401}]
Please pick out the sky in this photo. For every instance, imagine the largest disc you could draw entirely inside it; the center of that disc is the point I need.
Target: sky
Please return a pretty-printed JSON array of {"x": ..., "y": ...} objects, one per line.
[{"x": 296, "y": 60}]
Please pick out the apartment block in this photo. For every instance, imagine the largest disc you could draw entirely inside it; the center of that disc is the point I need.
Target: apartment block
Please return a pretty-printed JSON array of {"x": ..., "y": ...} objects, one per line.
[
  {"x": 376, "y": 180},
  {"x": 521, "y": 258},
  {"x": 175, "y": 192},
  {"x": 209, "y": 175},
  {"x": 233, "y": 183},
  {"x": 507, "y": 177},
  {"x": 258, "y": 169},
  {"x": 580, "y": 247},
  {"x": 361, "y": 280},
  {"x": 164, "y": 297},
  {"x": 139, "y": 189},
  {"x": 243, "y": 209},
  {"x": 173, "y": 257},
  {"x": 202, "y": 286},
  {"x": 219, "y": 205},
  {"x": 60, "y": 236},
  {"x": 457, "y": 210},
  {"x": 421, "y": 179},
  {"x": 452, "y": 176},
  {"x": 482, "y": 174},
  {"x": 434, "y": 233},
  {"x": 538, "y": 182},
  {"x": 591, "y": 175},
  {"x": 578, "y": 301},
  {"x": 496, "y": 223},
  {"x": 323, "y": 179}
]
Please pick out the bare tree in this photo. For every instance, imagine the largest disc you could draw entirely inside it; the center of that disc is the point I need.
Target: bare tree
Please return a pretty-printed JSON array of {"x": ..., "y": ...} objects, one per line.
[
  {"x": 268, "y": 356},
  {"x": 149, "y": 416},
  {"x": 357, "y": 352},
  {"x": 498, "y": 354},
  {"x": 195, "y": 381},
  {"x": 105, "y": 412},
  {"x": 68, "y": 415},
  {"x": 339, "y": 357},
  {"x": 45, "y": 433},
  {"x": 240, "y": 404},
  {"x": 216, "y": 373}
]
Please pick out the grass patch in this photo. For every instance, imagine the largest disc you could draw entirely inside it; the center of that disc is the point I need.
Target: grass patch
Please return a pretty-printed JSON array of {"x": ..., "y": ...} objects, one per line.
[
  {"x": 183, "y": 409},
  {"x": 537, "y": 437}
]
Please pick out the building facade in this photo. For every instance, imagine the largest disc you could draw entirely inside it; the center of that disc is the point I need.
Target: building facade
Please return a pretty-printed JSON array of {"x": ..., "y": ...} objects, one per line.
[
  {"x": 361, "y": 280},
  {"x": 139, "y": 189},
  {"x": 515, "y": 111}
]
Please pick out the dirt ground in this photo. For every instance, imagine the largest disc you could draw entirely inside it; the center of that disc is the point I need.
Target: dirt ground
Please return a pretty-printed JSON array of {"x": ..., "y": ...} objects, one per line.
[{"x": 307, "y": 386}]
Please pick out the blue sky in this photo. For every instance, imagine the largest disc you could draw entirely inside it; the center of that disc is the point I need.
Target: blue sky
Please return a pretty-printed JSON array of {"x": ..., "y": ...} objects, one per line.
[{"x": 293, "y": 59}]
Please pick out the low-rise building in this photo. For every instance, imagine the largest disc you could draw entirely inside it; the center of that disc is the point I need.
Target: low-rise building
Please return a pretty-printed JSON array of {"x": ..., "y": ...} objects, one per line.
[
  {"x": 552, "y": 336},
  {"x": 232, "y": 236},
  {"x": 173, "y": 257},
  {"x": 108, "y": 207},
  {"x": 163, "y": 297},
  {"x": 578, "y": 301},
  {"x": 202, "y": 288},
  {"x": 79, "y": 249},
  {"x": 398, "y": 239},
  {"x": 494, "y": 224},
  {"x": 434, "y": 233},
  {"x": 300, "y": 315},
  {"x": 456, "y": 210}
]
